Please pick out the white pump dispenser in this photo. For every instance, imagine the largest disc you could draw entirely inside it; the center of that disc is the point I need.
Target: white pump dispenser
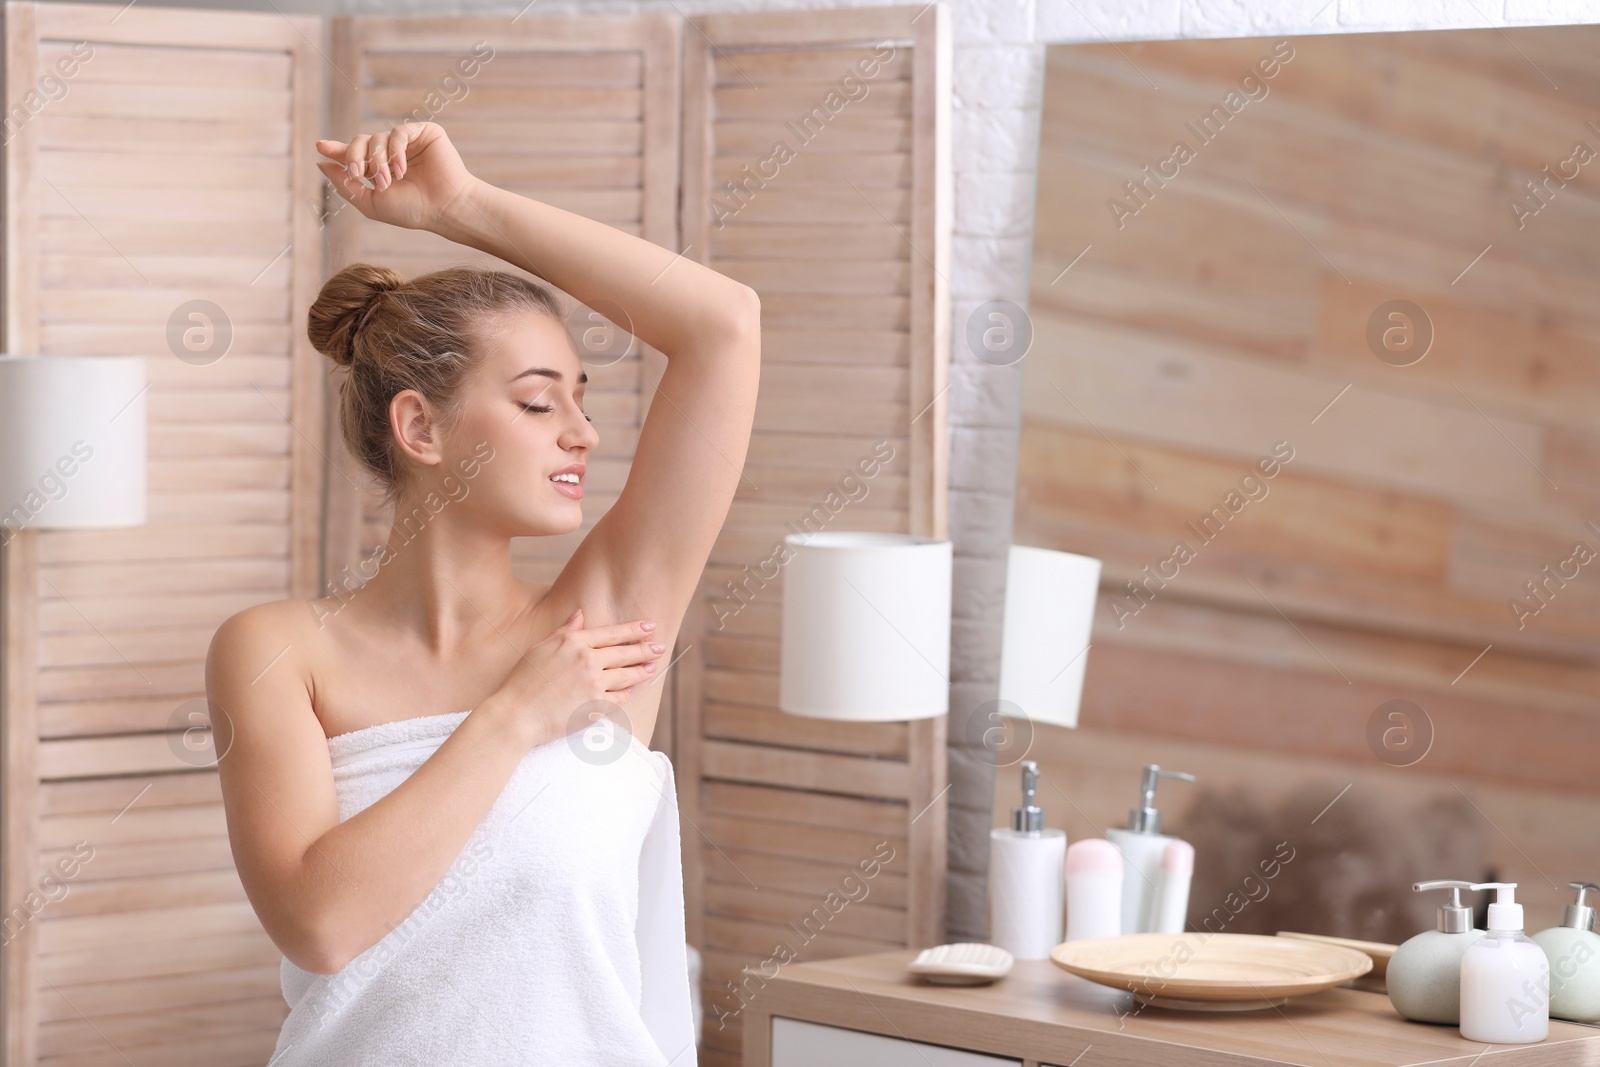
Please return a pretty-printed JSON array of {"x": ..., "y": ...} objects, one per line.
[
  {"x": 1142, "y": 845},
  {"x": 1505, "y": 978},
  {"x": 1027, "y": 877},
  {"x": 1573, "y": 949},
  {"x": 1424, "y": 976}
]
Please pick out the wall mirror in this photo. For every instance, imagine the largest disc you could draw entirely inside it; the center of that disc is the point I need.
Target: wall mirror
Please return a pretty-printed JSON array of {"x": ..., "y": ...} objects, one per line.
[{"x": 1315, "y": 372}]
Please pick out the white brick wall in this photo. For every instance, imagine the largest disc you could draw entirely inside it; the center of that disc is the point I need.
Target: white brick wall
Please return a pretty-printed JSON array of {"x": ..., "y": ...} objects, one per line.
[{"x": 998, "y": 74}]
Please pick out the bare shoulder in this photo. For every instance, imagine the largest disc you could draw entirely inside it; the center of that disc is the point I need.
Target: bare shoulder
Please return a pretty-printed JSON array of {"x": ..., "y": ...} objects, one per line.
[
  {"x": 258, "y": 658},
  {"x": 271, "y": 627},
  {"x": 271, "y": 757}
]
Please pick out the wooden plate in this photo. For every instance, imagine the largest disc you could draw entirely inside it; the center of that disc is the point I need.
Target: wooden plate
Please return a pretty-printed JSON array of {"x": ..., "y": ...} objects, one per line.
[
  {"x": 1379, "y": 952},
  {"x": 1205, "y": 966}
]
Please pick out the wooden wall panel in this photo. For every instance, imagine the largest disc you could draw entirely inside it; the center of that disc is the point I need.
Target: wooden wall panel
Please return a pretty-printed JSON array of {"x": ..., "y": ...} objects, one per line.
[
  {"x": 174, "y": 165},
  {"x": 1230, "y": 312},
  {"x": 816, "y": 170}
]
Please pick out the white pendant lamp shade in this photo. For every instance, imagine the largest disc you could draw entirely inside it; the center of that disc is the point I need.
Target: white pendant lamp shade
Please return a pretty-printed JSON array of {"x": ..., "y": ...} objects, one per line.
[
  {"x": 866, "y": 627},
  {"x": 1050, "y": 599},
  {"x": 72, "y": 442}
]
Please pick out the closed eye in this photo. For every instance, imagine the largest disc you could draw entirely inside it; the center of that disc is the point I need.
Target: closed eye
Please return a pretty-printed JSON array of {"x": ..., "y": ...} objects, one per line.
[{"x": 543, "y": 409}]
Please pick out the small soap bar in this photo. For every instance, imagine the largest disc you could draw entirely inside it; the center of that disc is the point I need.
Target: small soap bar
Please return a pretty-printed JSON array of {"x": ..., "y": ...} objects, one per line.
[{"x": 962, "y": 963}]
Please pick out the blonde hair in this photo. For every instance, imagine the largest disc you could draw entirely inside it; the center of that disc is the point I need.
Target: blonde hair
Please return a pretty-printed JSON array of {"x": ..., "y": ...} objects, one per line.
[{"x": 424, "y": 334}]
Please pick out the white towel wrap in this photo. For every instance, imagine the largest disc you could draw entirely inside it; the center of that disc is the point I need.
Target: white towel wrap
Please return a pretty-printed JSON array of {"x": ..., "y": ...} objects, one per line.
[{"x": 557, "y": 937}]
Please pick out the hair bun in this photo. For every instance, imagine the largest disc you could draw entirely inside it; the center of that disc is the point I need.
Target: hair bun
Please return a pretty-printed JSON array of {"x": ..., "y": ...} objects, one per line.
[{"x": 336, "y": 316}]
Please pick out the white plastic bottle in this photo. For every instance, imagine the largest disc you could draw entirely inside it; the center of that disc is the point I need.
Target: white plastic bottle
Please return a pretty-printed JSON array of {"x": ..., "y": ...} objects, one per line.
[
  {"x": 1094, "y": 889},
  {"x": 1170, "y": 906},
  {"x": 1027, "y": 877},
  {"x": 1505, "y": 978},
  {"x": 1142, "y": 845}
]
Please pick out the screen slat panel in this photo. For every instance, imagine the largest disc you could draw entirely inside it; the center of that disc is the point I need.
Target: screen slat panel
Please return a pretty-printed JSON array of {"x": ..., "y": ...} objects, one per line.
[{"x": 814, "y": 173}]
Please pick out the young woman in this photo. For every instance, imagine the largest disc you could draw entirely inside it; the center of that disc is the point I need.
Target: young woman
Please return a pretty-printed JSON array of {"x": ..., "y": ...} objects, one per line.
[{"x": 369, "y": 737}]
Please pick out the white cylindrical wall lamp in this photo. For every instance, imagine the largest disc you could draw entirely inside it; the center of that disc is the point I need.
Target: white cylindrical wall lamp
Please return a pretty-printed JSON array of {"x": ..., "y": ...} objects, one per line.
[
  {"x": 1050, "y": 599},
  {"x": 72, "y": 442},
  {"x": 866, "y": 627}
]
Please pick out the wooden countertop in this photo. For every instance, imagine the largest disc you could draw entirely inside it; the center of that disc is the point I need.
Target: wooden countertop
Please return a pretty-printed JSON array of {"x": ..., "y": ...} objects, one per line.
[{"x": 1043, "y": 1015}]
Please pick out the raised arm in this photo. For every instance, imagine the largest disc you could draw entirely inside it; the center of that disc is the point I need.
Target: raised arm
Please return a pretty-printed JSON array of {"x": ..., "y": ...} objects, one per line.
[{"x": 646, "y": 555}]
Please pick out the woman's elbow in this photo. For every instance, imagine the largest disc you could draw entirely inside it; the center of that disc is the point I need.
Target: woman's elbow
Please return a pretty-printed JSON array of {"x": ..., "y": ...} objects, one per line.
[
  {"x": 314, "y": 950},
  {"x": 318, "y": 957},
  {"x": 744, "y": 316},
  {"x": 750, "y": 305}
]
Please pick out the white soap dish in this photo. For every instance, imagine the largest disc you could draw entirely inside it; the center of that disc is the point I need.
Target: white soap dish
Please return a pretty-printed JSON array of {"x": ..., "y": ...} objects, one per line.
[{"x": 963, "y": 963}]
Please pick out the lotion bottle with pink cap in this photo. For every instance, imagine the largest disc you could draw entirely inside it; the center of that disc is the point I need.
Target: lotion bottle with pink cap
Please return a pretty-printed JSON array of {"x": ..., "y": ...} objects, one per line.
[
  {"x": 1170, "y": 905},
  {"x": 1094, "y": 889}
]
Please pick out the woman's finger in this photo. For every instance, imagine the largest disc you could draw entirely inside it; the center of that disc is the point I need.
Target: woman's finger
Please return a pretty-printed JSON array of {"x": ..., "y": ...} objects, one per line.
[
  {"x": 399, "y": 138},
  {"x": 378, "y": 162},
  {"x": 628, "y": 677},
  {"x": 350, "y": 188},
  {"x": 335, "y": 150},
  {"x": 629, "y": 655},
  {"x": 356, "y": 157},
  {"x": 617, "y": 634}
]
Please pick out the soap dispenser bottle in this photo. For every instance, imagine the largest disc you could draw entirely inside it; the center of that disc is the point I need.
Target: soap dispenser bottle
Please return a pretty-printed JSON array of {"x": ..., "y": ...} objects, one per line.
[
  {"x": 1505, "y": 978},
  {"x": 1424, "y": 976},
  {"x": 1027, "y": 877},
  {"x": 1573, "y": 949},
  {"x": 1142, "y": 845}
]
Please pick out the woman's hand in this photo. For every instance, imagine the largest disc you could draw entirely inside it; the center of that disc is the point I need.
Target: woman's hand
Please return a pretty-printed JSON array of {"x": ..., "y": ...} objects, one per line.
[
  {"x": 416, "y": 174},
  {"x": 564, "y": 681}
]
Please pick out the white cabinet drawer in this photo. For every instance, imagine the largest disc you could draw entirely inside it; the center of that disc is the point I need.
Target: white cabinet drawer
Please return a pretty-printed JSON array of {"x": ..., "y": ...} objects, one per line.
[{"x": 796, "y": 1043}]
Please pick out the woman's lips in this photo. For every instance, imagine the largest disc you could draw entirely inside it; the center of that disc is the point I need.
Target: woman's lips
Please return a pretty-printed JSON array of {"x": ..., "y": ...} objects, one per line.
[{"x": 569, "y": 489}]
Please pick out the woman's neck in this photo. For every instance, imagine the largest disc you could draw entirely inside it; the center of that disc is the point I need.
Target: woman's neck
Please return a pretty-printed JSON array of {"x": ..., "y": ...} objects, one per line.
[{"x": 447, "y": 585}]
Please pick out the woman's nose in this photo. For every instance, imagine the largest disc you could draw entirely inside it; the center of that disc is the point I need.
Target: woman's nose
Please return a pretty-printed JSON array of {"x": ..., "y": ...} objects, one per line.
[{"x": 583, "y": 435}]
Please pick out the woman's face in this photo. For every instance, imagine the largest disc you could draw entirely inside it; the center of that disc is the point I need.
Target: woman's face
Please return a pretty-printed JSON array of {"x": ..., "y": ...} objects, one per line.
[{"x": 522, "y": 423}]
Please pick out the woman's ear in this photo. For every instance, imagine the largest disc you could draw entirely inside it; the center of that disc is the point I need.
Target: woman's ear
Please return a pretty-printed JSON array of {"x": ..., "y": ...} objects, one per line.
[{"x": 412, "y": 422}]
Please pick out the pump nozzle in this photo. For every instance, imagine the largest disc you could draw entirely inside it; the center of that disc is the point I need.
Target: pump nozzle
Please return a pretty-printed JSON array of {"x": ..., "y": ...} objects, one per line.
[
  {"x": 1028, "y": 816},
  {"x": 1146, "y": 819},
  {"x": 1454, "y": 917},
  {"x": 1505, "y": 913},
  {"x": 1580, "y": 916}
]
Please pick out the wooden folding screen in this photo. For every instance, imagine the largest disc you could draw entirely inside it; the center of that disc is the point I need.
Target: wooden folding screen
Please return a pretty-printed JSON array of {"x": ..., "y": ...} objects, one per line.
[
  {"x": 174, "y": 164},
  {"x": 814, "y": 145},
  {"x": 153, "y": 158}
]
